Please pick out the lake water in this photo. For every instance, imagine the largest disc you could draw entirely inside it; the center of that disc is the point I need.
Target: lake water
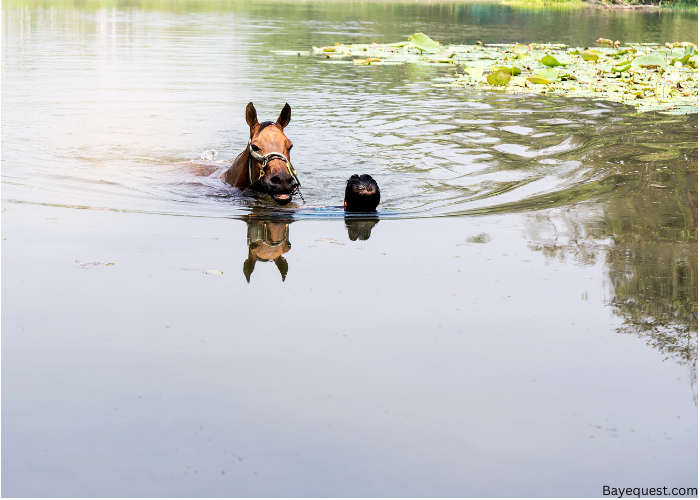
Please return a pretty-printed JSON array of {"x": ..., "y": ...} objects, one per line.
[{"x": 519, "y": 319}]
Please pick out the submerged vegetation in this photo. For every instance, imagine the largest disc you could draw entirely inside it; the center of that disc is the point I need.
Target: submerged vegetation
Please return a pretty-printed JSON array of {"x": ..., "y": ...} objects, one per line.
[{"x": 648, "y": 76}]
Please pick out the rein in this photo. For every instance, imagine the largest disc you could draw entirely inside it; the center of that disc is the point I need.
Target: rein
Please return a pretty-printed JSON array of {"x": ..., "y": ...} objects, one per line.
[{"x": 264, "y": 160}]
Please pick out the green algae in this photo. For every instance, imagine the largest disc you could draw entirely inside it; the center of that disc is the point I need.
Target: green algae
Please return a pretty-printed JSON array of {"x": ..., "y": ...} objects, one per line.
[{"x": 648, "y": 76}]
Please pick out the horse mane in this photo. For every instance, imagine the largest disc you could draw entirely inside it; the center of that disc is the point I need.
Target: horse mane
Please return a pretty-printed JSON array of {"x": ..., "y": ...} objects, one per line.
[{"x": 265, "y": 124}]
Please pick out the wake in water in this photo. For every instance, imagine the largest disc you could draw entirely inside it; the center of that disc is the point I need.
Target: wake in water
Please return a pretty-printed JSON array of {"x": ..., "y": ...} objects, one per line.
[{"x": 465, "y": 154}]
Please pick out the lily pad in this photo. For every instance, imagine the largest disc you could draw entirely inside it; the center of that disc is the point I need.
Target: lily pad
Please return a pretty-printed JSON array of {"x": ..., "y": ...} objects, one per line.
[
  {"x": 500, "y": 77},
  {"x": 514, "y": 71},
  {"x": 475, "y": 72},
  {"x": 549, "y": 74},
  {"x": 587, "y": 55},
  {"x": 538, "y": 80},
  {"x": 649, "y": 61},
  {"x": 424, "y": 43},
  {"x": 615, "y": 76},
  {"x": 683, "y": 60},
  {"x": 620, "y": 69},
  {"x": 550, "y": 61},
  {"x": 291, "y": 52}
]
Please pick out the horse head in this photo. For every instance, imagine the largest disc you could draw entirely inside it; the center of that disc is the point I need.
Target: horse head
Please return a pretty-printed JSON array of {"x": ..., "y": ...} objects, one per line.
[{"x": 269, "y": 166}]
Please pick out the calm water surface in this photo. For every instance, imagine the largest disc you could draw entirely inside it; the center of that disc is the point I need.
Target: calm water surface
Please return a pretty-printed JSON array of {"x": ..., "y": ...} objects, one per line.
[{"x": 520, "y": 319}]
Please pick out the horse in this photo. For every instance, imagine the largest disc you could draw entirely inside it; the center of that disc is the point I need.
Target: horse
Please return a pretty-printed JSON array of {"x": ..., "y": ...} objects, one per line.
[{"x": 264, "y": 165}]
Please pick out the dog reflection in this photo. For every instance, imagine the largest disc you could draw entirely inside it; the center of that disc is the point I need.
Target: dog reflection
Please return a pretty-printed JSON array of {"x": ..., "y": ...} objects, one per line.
[
  {"x": 267, "y": 241},
  {"x": 360, "y": 229}
]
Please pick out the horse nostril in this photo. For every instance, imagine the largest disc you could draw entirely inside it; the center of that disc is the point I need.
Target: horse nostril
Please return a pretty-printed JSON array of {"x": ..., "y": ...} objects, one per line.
[{"x": 275, "y": 179}]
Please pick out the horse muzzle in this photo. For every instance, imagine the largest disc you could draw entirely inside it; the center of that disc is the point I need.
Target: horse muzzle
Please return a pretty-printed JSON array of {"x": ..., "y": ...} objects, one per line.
[
  {"x": 281, "y": 186},
  {"x": 282, "y": 198}
]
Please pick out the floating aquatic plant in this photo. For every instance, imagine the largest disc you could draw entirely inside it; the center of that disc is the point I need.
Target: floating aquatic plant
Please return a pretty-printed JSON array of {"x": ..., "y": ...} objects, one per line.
[
  {"x": 424, "y": 43},
  {"x": 649, "y": 76}
]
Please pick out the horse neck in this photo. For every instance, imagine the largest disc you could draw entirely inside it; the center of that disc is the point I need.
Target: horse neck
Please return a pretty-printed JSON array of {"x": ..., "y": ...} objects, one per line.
[
  {"x": 246, "y": 159},
  {"x": 239, "y": 170}
]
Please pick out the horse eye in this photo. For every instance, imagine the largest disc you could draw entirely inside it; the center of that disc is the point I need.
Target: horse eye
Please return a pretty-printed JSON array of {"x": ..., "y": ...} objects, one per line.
[{"x": 255, "y": 148}]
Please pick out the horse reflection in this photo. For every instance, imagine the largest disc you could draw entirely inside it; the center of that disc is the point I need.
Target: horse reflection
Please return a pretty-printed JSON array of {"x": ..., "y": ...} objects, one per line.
[{"x": 268, "y": 240}]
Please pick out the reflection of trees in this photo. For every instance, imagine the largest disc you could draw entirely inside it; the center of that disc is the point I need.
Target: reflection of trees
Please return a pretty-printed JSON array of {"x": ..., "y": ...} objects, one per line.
[
  {"x": 654, "y": 258},
  {"x": 569, "y": 234},
  {"x": 646, "y": 232},
  {"x": 654, "y": 275},
  {"x": 655, "y": 292},
  {"x": 387, "y": 21}
]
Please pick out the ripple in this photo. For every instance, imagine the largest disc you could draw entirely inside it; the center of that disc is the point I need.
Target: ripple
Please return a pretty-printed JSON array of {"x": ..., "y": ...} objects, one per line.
[{"x": 156, "y": 92}]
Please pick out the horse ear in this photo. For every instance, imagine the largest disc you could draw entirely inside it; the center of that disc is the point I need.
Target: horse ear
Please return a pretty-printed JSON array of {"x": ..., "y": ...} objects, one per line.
[
  {"x": 285, "y": 116},
  {"x": 283, "y": 266},
  {"x": 251, "y": 116},
  {"x": 248, "y": 268}
]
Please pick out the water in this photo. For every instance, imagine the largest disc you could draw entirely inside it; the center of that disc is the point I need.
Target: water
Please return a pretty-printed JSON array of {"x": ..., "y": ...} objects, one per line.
[
  {"x": 520, "y": 318},
  {"x": 158, "y": 87}
]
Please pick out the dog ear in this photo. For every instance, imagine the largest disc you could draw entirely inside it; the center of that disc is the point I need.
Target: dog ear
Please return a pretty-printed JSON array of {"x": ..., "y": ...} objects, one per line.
[
  {"x": 248, "y": 268},
  {"x": 283, "y": 266},
  {"x": 251, "y": 116},
  {"x": 285, "y": 116}
]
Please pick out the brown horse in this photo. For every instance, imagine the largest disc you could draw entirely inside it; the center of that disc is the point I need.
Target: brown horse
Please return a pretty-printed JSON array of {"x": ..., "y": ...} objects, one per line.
[{"x": 264, "y": 165}]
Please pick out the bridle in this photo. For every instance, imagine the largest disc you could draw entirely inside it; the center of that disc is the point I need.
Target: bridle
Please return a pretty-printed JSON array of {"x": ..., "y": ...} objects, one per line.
[
  {"x": 264, "y": 160},
  {"x": 258, "y": 234}
]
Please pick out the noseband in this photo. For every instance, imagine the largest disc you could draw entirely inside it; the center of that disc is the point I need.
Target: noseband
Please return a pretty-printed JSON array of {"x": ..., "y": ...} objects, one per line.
[
  {"x": 257, "y": 234},
  {"x": 264, "y": 160}
]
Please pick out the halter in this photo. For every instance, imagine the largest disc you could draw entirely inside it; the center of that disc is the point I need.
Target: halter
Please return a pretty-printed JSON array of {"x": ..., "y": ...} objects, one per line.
[
  {"x": 264, "y": 160},
  {"x": 258, "y": 234}
]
